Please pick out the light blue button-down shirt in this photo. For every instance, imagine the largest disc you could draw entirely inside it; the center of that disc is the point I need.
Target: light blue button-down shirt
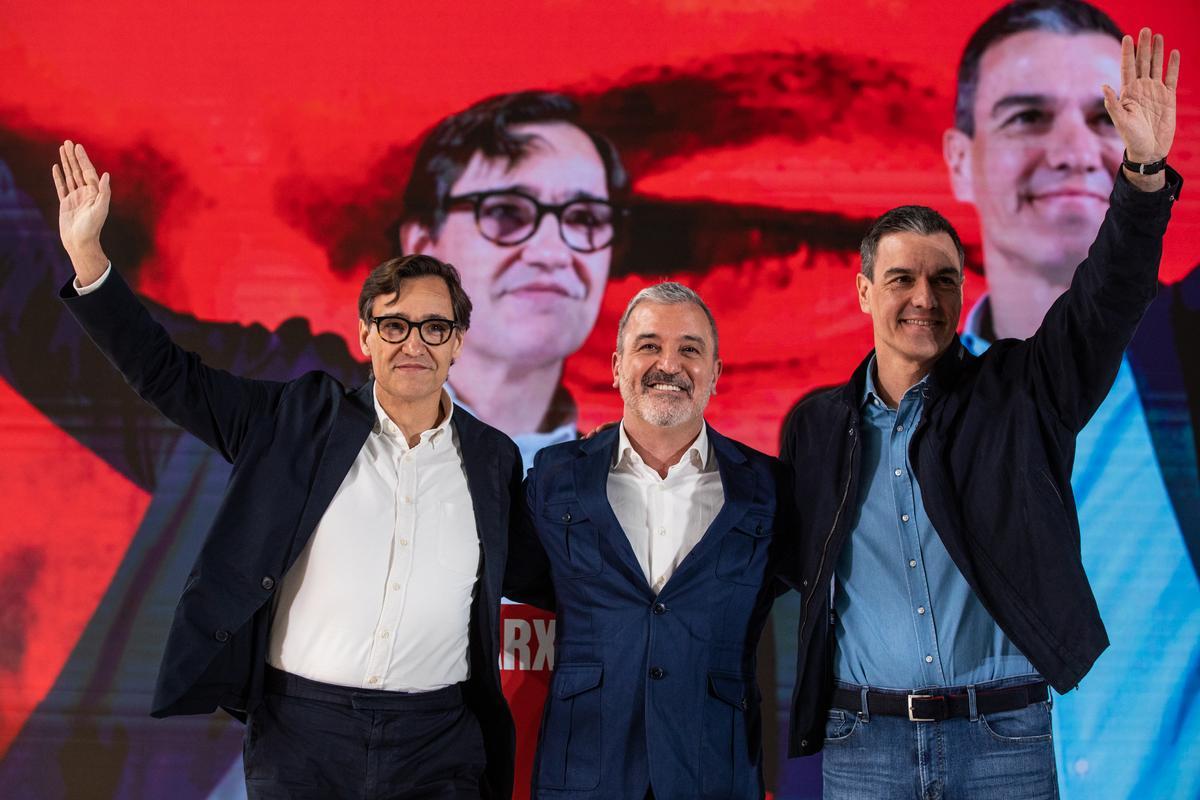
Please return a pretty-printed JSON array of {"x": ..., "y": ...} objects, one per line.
[
  {"x": 1131, "y": 729},
  {"x": 906, "y": 617}
]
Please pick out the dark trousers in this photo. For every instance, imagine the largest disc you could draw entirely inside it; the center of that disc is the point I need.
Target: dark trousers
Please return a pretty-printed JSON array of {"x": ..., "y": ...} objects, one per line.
[{"x": 314, "y": 740}]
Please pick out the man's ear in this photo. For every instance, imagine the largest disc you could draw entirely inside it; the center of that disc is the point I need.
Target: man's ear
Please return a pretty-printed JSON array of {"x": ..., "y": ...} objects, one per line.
[
  {"x": 863, "y": 285},
  {"x": 956, "y": 150},
  {"x": 415, "y": 239},
  {"x": 616, "y": 363},
  {"x": 364, "y": 330}
]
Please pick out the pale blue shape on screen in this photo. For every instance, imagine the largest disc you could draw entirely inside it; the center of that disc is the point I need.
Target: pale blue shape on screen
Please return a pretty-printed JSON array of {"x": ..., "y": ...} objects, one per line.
[{"x": 1132, "y": 728}]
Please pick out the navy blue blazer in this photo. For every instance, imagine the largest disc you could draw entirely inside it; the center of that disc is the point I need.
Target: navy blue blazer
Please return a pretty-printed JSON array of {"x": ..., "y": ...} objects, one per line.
[
  {"x": 291, "y": 444},
  {"x": 648, "y": 690}
]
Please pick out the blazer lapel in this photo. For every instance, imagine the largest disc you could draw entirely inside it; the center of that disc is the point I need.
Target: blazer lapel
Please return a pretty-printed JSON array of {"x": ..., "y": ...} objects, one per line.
[
  {"x": 352, "y": 423},
  {"x": 591, "y": 487},
  {"x": 481, "y": 463}
]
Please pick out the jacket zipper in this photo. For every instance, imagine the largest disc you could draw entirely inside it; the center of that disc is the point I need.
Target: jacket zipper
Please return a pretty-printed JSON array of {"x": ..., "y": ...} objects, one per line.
[{"x": 833, "y": 528}]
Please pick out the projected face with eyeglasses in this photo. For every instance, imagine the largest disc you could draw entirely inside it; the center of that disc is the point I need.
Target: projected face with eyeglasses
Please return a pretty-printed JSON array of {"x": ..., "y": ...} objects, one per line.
[{"x": 533, "y": 245}]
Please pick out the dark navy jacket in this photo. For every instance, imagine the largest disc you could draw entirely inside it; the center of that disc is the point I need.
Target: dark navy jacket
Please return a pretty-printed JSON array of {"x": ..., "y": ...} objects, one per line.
[
  {"x": 649, "y": 690},
  {"x": 291, "y": 444},
  {"x": 993, "y": 455}
]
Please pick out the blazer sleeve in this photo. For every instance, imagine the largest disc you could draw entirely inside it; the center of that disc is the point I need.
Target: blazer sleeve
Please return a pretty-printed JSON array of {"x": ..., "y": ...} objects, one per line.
[
  {"x": 82, "y": 394},
  {"x": 1073, "y": 358},
  {"x": 527, "y": 573},
  {"x": 215, "y": 406}
]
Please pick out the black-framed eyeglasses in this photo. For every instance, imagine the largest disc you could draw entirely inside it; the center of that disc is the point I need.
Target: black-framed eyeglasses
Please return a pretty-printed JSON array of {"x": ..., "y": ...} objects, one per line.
[
  {"x": 395, "y": 329},
  {"x": 509, "y": 217}
]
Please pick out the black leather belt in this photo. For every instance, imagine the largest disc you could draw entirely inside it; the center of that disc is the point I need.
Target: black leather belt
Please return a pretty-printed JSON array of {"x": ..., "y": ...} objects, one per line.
[{"x": 930, "y": 707}]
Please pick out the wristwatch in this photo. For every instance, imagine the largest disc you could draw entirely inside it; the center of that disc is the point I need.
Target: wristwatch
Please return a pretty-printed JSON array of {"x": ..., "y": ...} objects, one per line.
[{"x": 1143, "y": 169}]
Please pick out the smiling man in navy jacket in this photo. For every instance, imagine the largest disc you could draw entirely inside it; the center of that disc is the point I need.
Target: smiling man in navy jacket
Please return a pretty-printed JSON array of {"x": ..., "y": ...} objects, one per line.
[
  {"x": 347, "y": 596},
  {"x": 658, "y": 537},
  {"x": 940, "y": 571}
]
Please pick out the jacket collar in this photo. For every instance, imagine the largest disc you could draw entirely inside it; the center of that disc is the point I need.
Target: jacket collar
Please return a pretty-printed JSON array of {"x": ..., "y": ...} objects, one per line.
[{"x": 942, "y": 378}]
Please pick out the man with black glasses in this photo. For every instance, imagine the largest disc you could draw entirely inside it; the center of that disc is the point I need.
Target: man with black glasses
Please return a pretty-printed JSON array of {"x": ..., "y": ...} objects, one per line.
[
  {"x": 118, "y": 751},
  {"x": 527, "y": 204},
  {"x": 347, "y": 597}
]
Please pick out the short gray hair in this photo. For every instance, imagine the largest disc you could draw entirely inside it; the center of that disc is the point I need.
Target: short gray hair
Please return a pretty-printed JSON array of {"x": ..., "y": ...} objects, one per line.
[{"x": 668, "y": 293}]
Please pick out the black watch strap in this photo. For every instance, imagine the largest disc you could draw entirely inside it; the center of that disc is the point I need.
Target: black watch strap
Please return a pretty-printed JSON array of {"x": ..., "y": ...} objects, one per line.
[{"x": 1143, "y": 169}]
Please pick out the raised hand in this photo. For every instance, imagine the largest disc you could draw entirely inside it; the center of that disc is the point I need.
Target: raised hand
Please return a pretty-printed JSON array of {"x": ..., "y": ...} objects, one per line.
[
  {"x": 1144, "y": 112},
  {"x": 83, "y": 198}
]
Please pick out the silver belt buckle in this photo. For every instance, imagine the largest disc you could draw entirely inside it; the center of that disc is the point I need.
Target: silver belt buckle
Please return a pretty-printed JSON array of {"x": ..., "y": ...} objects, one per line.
[{"x": 912, "y": 697}]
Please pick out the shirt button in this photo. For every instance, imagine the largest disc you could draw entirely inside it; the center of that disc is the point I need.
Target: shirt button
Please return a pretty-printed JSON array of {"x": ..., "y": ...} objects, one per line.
[
  {"x": 396, "y": 586},
  {"x": 904, "y": 517},
  {"x": 912, "y": 562},
  {"x": 928, "y": 659},
  {"x": 899, "y": 472},
  {"x": 407, "y": 500},
  {"x": 921, "y": 609},
  {"x": 404, "y": 542},
  {"x": 384, "y": 634},
  {"x": 373, "y": 679},
  {"x": 662, "y": 531},
  {"x": 899, "y": 428},
  {"x": 657, "y": 673}
]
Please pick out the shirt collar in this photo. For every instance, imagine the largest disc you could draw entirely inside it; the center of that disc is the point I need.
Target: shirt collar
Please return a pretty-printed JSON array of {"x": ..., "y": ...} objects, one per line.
[
  {"x": 435, "y": 435},
  {"x": 871, "y": 395},
  {"x": 698, "y": 453}
]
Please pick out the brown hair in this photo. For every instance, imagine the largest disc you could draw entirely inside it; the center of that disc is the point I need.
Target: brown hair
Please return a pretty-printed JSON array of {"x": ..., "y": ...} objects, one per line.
[{"x": 387, "y": 277}]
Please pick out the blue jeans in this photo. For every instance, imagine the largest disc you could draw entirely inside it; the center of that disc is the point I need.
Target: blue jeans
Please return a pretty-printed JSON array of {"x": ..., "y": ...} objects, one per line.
[{"x": 1005, "y": 756}]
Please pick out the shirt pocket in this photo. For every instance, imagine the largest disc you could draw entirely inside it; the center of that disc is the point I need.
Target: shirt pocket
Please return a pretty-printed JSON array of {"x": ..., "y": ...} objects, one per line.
[{"x": 457, "y": 539}]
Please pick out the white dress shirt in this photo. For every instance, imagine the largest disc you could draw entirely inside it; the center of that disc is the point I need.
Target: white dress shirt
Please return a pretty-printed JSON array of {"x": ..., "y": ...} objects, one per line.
[
  {"x": 664, "y": 518},
  {"x": 380, "y": 598}
]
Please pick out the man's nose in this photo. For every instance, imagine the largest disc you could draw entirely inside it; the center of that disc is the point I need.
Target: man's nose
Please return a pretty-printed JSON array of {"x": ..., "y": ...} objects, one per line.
[
  {"x": 668, "y": 362},
  {"x": 545, "y": 248},
  {"x": 414, "y": 345},
  {"x": 923, "y": 295},
  {"x": 1073, "y": 145}
]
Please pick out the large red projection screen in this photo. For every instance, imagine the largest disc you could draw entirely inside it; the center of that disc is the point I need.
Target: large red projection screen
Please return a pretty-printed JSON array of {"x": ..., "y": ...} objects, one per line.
[{"x": 258, "y": 152}]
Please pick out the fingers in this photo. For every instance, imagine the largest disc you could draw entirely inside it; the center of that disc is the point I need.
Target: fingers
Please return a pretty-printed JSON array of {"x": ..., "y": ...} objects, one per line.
[
  {"x": 1111, "y": 102},
  {"x": 59, "y": 184},
  {"x": 76, "y": 169},
  {"x": 1172, "y": 78},
  {"x": 1128, "y": 70},
  {"x": 105, "y": 184},
  {"x": 89, "y": 171},
  {"x": 68, "y": 176},
  {"x": 1156, "y": 57},
  {"x": 1142, "y": 55}
]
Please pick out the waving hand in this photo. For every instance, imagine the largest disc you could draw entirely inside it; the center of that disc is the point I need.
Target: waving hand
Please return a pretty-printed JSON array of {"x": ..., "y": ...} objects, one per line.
[
  {"x": 83, "y": 198},
  {"x": 1144, "y": 112}
]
